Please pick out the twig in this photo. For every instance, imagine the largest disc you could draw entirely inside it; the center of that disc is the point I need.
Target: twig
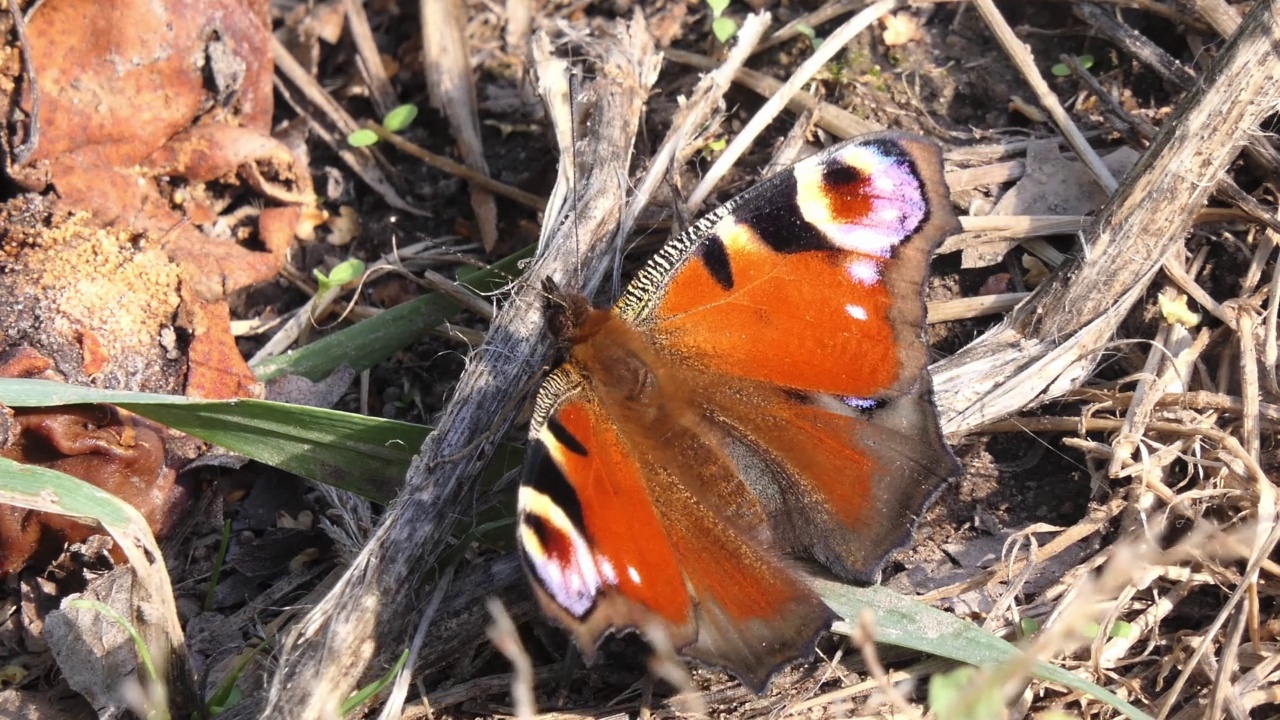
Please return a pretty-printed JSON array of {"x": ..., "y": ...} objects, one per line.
[
  {"x": 506, "y": 638},
  {"x": 1251, "y": 573},
  {"x": 827, "y": 11},
  {"x": 709, "y": 92},
  {"x": 835, "y": 120},
  {"x": 444, "y": 164},
  {"x": 1137, "y": 127},
  {"x": 375, "y": 73},
  {"x": 23, "y": 151},
  {"x": 863, "y": 635},
  {"x": 1050, "y": 342},
  {"x": 361, "y": 160},
  {"x": 394, "y": 704},
  {"x": 1135, "y": 45},
  {"x": 1094, "y": 522},
  {"x": 972, "y": 307},
  {"x": 1221, "y": 17},
  {"x": 1145, "y": 131}
]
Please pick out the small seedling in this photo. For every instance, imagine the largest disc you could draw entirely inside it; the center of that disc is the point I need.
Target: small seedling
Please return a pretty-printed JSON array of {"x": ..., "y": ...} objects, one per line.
[
  {"x": 1061, "y": 69},
  {"x": 714, "y": 148},
  {"x": 361, "y": 696},
  {"x": 342, "y": 273},
  {"x": 724, "y": 28},
  {"x": 217, "y": 565},
  {"x": 395, "y": 121},
  {"x": 363, "y": 137},
  {"x": 1119, "y": 629}
]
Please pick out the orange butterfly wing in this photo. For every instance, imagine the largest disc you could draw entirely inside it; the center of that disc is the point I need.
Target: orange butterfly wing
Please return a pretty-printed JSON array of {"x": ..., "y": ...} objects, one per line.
[
  {"x": 760, "y": 388},
  {"x": 612, "y": 541}
]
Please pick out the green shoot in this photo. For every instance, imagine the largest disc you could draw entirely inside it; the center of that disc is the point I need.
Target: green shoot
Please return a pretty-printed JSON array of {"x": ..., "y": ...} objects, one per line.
[
  {"x": 342, "y": 273},
  {"x": 724, "y": 28},
  {"x": 1061, "y": 69}
]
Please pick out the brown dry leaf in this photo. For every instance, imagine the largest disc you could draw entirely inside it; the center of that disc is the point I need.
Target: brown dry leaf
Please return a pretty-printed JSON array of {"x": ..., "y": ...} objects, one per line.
[
  {"x": 343, "y": 227},
  {"x": 147, "y": 158},
  {"x": 111, "y": 448},
  {"x": 95, "y": 654},
  {"x": 1051, "y": 185},
  {"x": 217, "y": 369}
]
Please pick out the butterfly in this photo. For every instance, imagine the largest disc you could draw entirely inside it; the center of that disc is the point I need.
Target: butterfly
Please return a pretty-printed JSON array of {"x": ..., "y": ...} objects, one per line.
[{"x": 759, "y": 392}]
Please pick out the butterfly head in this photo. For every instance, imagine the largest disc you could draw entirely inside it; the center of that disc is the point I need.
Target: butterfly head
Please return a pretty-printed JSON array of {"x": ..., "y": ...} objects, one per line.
[{"x": 571, "y": 318}]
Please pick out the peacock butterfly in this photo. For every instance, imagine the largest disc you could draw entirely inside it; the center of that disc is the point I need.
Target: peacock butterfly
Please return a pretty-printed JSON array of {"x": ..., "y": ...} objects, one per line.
[{"x": 760, "y": 389}]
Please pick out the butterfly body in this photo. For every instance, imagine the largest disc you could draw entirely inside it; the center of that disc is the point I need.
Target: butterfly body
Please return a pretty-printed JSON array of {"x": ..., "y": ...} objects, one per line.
[{"x": 760, "y": 391}]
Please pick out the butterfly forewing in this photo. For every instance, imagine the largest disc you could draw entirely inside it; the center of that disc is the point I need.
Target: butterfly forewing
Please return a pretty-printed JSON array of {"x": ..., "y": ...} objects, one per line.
[{"x": 810, "y": 280}]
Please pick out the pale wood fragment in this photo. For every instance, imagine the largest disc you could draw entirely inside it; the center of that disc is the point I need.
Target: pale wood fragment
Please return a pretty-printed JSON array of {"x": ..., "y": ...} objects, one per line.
[
  {"x": 1022, "y": 59},
  {"x": 451, "y": 86},
  {"x": 972, "y": 307},
  {"x": 1222, "y": 17},
  {"x": 984, "y": 175},
  {"x": 375, "y": 73}
]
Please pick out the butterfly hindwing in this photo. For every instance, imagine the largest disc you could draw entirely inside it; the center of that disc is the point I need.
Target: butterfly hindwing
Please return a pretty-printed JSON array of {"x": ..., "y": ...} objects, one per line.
[{"x": 617, "y": 536}]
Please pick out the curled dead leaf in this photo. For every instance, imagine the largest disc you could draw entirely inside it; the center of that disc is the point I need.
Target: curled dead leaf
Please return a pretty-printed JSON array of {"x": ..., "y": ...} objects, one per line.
[
  {"x": 344, "y": 227},
  {"x": 111, "y": 448}
]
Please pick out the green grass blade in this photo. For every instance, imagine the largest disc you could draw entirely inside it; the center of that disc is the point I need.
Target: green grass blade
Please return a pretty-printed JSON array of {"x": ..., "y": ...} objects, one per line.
[
  {"x": 364, "y": 455},
  {"x": 364, "y": 694},
  {"x": 904, "y": 622},
  {"x": 139, "y": 645},
  {"x": 367, "y": 456},
  {"x": 373, "y": 340},
  {"x": 20, "y": 393}
]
